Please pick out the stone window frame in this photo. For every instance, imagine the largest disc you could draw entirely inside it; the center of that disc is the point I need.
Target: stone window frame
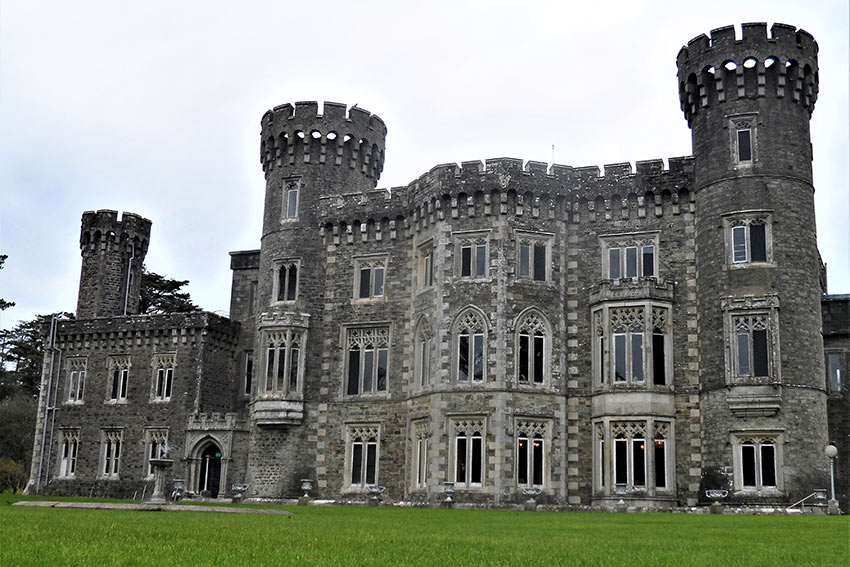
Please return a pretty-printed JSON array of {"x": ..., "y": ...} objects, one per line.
[
  {"x": 375, "y": 264},
  {"x": 423, "y": 353},
  {"x": 118, "y": 378},
  {"x": 737, "y": 123},
  {"x": 656, "y": 430},
  {"x": 757, "y": 438},
  {"x": 475, "y": 240},
  {"x": 69, "y": 445},
  {"x": 284, "y": 345},
  {"x": 473, "y": 430},
  {"x": 529, "y": 323},
  {"x": 420, "y": 435},
  {"x": 650, "y": 317},
  {"x": 742, "y": 221},
  {"x": 639, "y": 241},
  {"x": 532, "y": 430},
  {"x": 289, "y": 186},
  {"x": 379, "y": 336},
  {"x": 837, "y": 355},
  {"x": 162, "y": 383},
  {"x": 283, "y": 270},
  {"x": 366, "y": 436},
  {"x": 156, "y": 447},
  {"x": 531, "y": 239},
  {"x": 735, "y": 311},
  {"x": 425, "y": 267},
  {"x": 247, "y": 370},
  {"x": 75, "y": 386},
  {"x": 111, "y": 449},
  {"x": 470, "y": 322}
]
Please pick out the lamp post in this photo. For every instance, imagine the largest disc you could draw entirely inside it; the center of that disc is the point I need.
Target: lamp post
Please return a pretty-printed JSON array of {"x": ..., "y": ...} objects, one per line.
[{"x": 831, "y": 452}]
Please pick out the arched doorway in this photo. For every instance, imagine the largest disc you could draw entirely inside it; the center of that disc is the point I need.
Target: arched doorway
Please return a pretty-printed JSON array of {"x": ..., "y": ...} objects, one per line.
[{"x": 209, "y": 470}]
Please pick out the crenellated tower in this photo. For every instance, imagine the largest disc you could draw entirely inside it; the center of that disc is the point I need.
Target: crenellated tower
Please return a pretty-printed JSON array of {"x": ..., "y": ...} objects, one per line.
[
  {"x": 748, "y": 103},
  {"x": 113, "y": 252}
]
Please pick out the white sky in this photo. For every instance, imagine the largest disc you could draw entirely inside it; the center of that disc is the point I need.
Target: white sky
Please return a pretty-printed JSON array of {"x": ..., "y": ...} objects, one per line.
[{"x": 154, "y": 107}]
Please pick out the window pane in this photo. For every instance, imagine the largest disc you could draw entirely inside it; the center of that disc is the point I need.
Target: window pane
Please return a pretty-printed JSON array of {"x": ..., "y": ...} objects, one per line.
[
  {"x": 639, "y": 462},
  {"x": 429, "y": 271},
  {"x": 368, "y": 369},
  {"x": 524, "y": 260},
  {"x": 463, "y": 358},
  {"x": 648, "y": 261},
  {"x": 281, "y": 283},
  {"x": 619, "y": 357},
  {"x": 833, "y": 368},
  {"x": 353, "y": 371},
  {"x": 270, "y": 369},
  {"x": 760, "y": 353},
  {"x": 601, "y": 463},
  {"x": 745, "y": 151},
  {"x": 660, "y": 464},
  {"x": 539, "y": 261},
  {"x": 466, "y": 261},
  {"x": 748, "y": 464},
  {"x": 637, "y": 356},
  {"x": 292, "y": 204},
  {"x": 601, "y": 343},
  {"x": 293, "y": 369},
  {"x": 365, "y": 278},
  {"x": 659, "y": 367},
  {"x": 537, "y": 362},
  {"x": 281, "y": 368},
  {"x": 537, "y": 462},
  {"x": 631, "y": 262},
  {"x": 159, "y": 382},
  {"x": 382, "y": 370},
  {"x": 371, "y": 462},
  {"x": 379, "y": 282},
  {"x": 768, "y": 465},
  {"x": 116, "y": 377},
  {"x": 743, "y": 354},
  {"x": 758, "y": 245},
  {"x": 523, "y": 358},
  {"x": 480, "y": 260},
  {"x": 621, "y": 461},
  {"x": 249, "y": 371},
  {"x": 739, "y": 244},
  {"x": 613, "y": 263},
  {"x": 522, "y": 461},
  {"x": 475, "y": 465},
  {"x": 478, "y": 360},
  {"x": 292, "y": 283},
  {"x": 460, "y": 460},
  {"x": 356, "y": 463}
]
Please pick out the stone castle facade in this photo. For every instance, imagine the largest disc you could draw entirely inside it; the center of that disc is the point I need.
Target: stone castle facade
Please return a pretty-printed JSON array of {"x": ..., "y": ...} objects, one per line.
[{"x": 628, "y": 337}]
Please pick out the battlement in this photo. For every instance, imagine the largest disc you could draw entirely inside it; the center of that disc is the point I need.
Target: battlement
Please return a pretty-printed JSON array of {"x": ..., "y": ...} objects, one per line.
[
  {"x": 103, "y": 228},
  {"x": 722, "y": 68},
  {"x": 295, "y": 135}
]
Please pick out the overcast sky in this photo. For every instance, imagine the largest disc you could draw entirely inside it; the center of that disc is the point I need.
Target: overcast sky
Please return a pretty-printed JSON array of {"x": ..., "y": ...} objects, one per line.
[{"x": 154, "y": 107}]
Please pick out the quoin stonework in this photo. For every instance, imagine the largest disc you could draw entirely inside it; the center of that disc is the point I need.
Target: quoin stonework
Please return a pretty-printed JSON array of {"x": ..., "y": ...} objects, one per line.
[{"x": 627, "y": 337}]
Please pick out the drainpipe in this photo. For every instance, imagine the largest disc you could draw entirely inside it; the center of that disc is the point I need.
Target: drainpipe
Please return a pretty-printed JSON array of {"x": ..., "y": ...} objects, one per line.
[
  {"x": 51, "y": 345},
  {"x": 129, "y": 273}
]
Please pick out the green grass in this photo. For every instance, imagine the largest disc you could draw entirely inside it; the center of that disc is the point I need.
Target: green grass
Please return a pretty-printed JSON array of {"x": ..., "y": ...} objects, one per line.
[{"x": 318, "y": 535}]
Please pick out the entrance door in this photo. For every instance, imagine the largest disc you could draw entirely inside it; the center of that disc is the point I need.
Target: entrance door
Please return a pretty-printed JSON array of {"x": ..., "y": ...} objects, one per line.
[{"x": 209, "y": 477}]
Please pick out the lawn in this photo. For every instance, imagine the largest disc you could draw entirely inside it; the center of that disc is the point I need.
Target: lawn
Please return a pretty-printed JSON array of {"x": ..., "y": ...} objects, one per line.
[{"x": 318, "y": 535}]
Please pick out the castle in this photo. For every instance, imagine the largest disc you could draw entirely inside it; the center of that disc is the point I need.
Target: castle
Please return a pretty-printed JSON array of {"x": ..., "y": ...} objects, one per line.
[{"x": 496, "y": 329}]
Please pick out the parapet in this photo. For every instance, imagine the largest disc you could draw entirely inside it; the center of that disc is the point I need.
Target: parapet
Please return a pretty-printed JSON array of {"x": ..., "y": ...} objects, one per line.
[
  {"x": 293, "y": 136},
  {"x": 722, "y": 68},
  {"x": 103, "y": 228}
]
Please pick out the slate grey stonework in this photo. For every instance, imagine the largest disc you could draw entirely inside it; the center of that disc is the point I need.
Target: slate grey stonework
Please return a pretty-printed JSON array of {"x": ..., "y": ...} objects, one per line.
[{"x": 270, "y": 424}]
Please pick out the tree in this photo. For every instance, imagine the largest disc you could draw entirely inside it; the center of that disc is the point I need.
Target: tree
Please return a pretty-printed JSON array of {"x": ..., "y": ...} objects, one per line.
[
  {"x": 160, "y": 294},
  {"x": 21, "y": 354},
  {"x": 3, "y": 303}
]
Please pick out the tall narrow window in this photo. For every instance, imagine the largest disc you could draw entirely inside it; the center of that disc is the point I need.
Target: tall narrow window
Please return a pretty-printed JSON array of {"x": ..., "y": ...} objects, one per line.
[
  {"x": 833, "y": 370},
  {"x": 290, "y": 200},
  {"x": 111, "y": 453},
  {"x": 745, "y": 148},
  {"x": 425, "y": 266},
  {"x": 530, "y": 453},
  {"x": 532, "y": 334},
  {"x": 76, "y": 379},
  {"x": 420, "y": 454},
  {"x": 630, "y": 455},
  {"x": 363, "y": 470},
  {"x": 614, "y": 263},
  {"x": 68, "y": 452},
  {"x": 747, "y": 238},
  {"x": 422, "y": 354},
  {"x": 283, "y": 361},
  {"x": 469, "y": 453},
  {"x": 367, "y": 360},
  {"x": 472, "y": 256},
  {"x": 648, "y": 254},
  {"x": 287, "y": 280},
  {"x": 370, "y": 277},
  {"x": 471, "y": 357},
  {"x": 757, "y": 463},
  {"x": 751, "y": 345},
  {"x": 628, "y": 355},
  {"x": 157, "y": 447},
  {"x": 163, "y": 376},
  {"x": 119, "y": 372},
  {"x": 660, "y": 455},
  {"x": 533, "y": 260},
  {"x": 248, "y": 372}
]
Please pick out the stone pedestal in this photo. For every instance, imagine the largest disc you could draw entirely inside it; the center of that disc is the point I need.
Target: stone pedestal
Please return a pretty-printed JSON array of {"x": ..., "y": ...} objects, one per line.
[
  {"x": 832, "y": 508},
  {"x": 159, "y": 466}
]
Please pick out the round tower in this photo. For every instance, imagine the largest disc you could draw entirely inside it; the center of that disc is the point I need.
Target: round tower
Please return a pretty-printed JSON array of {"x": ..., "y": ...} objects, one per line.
[
  {"x": 748, "y": 103},
  {"x": 113, "y": 251}
]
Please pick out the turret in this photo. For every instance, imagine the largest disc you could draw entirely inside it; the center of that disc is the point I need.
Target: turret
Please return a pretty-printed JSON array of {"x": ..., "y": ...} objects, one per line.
[
  {"x": 113, "y": 251},
  {"x": 748, "y": 103}
]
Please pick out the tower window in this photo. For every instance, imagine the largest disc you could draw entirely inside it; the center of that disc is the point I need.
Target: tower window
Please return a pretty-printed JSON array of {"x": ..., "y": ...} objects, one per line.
[
  {"x": 743, "y": 139},
  {"x": 751, "y": 328},
  {"x": 757, "y": 462},
  {"x": 833, "y": 371},
  {"x": 370, "y": 277},
  {"x": 290, "y": 199},
  {"x": 286, "y": 284},
  {"x": 745, "y": 148},
  {"x": 748, "y": 238}
]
